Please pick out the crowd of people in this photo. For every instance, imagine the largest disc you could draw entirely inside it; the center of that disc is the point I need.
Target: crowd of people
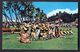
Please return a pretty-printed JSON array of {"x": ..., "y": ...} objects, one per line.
[{"x": 42, "y": 31}]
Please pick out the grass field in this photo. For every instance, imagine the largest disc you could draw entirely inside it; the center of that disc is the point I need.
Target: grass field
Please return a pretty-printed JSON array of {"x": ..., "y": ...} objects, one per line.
[{"x": 10, "y": 41}]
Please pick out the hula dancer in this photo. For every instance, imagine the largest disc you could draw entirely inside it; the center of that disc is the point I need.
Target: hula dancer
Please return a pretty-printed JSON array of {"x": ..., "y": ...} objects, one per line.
[
  {"x": 33, "y": 32},
  {"x": 37, "y": 31},
  {"x": 57, "y": 31}
]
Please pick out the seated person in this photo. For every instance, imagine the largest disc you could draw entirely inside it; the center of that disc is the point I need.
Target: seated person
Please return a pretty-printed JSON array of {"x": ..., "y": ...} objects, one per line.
[
  {"x": 24, "y": 37},
  {"x": 70, "y": 32},
  {"x": 62, "y": 34}
]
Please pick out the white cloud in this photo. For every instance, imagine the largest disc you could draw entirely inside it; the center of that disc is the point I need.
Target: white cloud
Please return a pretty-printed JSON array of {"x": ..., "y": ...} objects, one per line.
[{"x": 62, "y": 10}]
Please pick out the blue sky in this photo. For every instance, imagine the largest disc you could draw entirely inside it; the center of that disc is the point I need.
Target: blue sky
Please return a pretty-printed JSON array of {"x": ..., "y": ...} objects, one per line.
[{"x": 49, "y": 6}]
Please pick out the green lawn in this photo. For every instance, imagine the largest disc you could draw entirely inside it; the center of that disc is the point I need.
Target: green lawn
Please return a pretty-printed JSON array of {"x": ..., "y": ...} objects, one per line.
[{"x": 69, "y": 43}]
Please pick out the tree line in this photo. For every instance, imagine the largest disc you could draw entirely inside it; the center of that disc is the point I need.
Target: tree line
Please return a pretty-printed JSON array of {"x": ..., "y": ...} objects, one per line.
[{"x": 66, "y": 17}]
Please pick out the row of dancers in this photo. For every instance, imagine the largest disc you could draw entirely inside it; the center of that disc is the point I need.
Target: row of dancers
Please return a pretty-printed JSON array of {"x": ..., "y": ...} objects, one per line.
[{"x": 43, "y": 31}]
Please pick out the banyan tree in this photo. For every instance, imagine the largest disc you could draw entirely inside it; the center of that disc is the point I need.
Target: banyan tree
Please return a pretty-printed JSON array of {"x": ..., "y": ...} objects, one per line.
[{"x": 15, "y": 13}]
